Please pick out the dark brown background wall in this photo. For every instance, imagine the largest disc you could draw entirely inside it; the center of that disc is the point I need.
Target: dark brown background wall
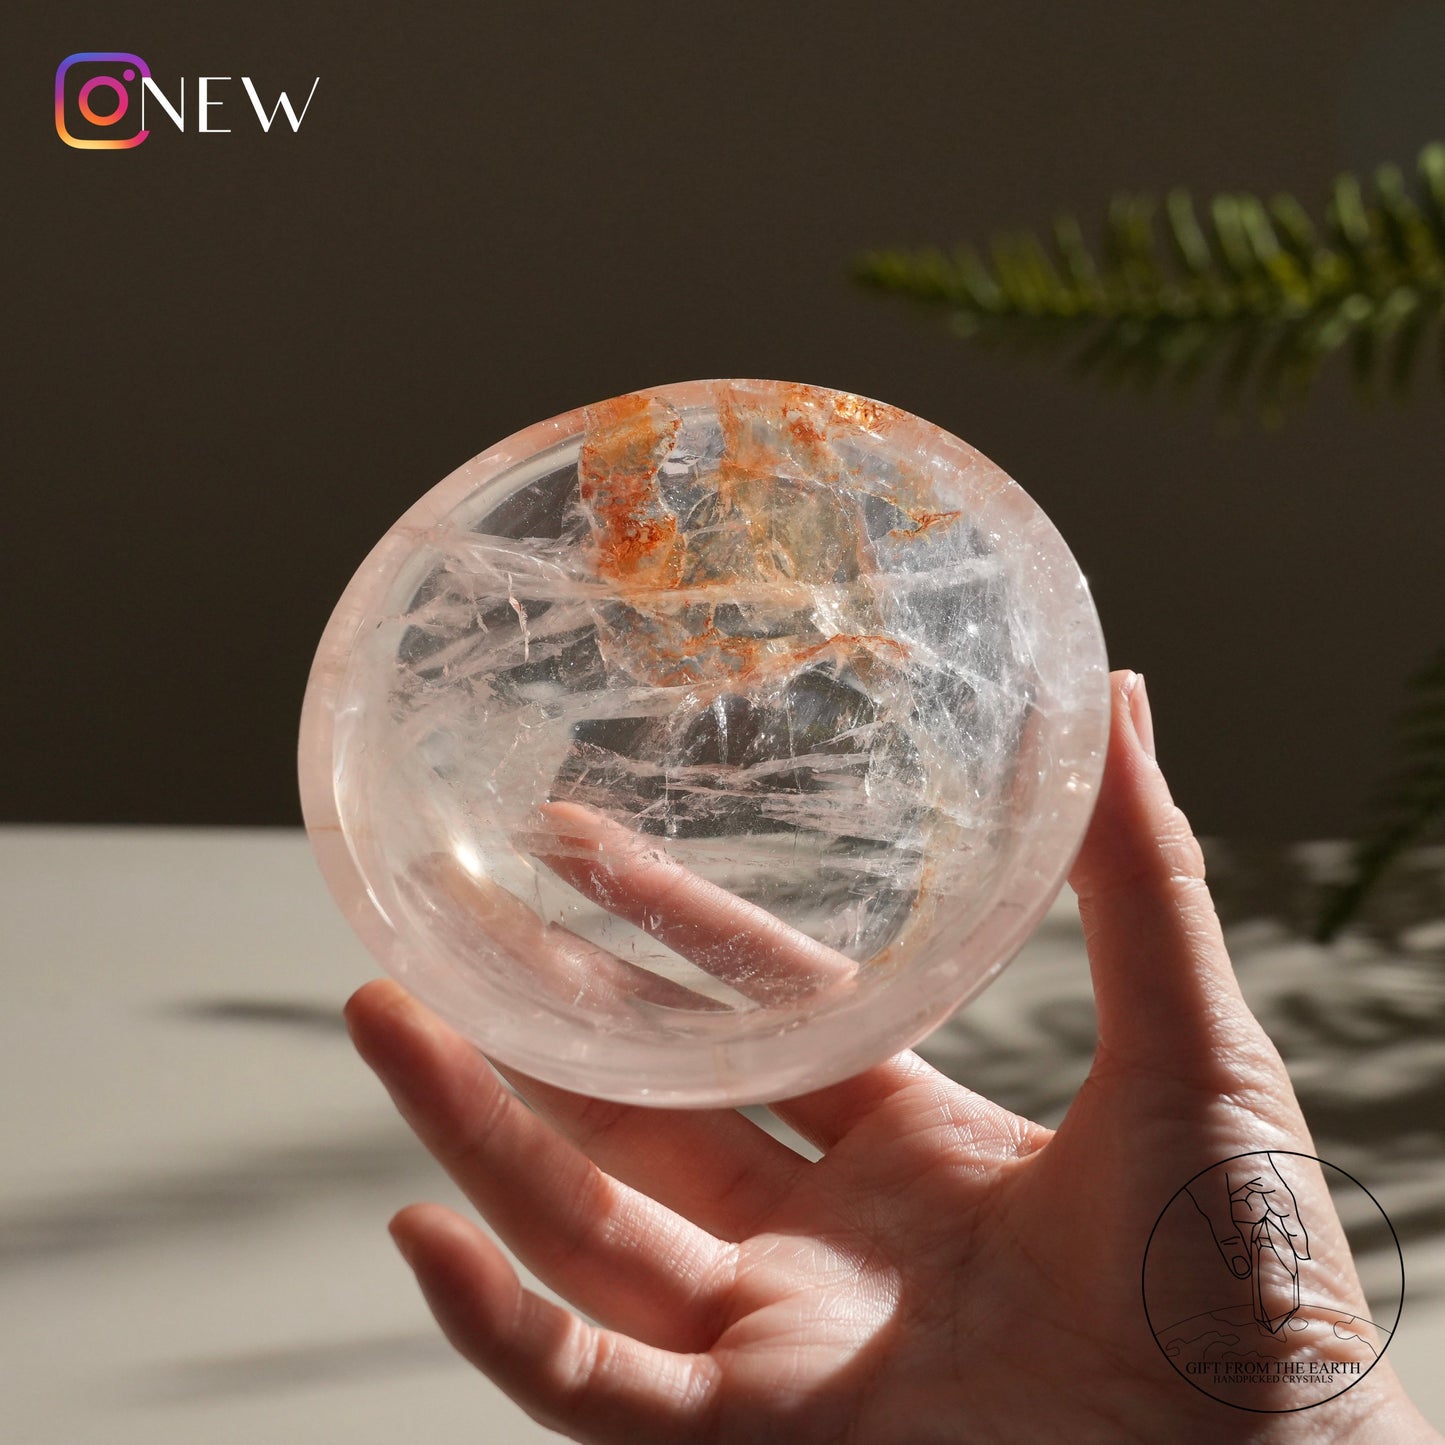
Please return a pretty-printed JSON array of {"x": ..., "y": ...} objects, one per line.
[{"x": 238, "y": 357}]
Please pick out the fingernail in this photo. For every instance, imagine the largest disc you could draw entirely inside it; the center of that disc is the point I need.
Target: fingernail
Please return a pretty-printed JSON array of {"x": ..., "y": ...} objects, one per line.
[
  {"x": 1240, "y": 1265},
  {"x": 1140, "y": 715}
]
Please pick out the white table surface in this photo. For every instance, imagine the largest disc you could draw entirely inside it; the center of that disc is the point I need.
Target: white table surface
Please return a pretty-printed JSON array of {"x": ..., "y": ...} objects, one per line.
[{"x": 197, "y": 1170}]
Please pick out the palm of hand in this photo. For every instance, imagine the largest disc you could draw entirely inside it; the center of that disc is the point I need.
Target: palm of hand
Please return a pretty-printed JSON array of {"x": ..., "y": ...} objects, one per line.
[{"x": 847, "y": 1298}]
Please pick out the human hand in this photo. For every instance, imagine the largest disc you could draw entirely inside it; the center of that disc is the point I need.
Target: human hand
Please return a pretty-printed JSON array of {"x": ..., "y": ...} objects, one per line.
[{"x": 945, "y": 1271}]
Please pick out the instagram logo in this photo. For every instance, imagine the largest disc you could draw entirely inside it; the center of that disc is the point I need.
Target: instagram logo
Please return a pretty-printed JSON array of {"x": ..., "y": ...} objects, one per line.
[{"x": 98, "y": 103}]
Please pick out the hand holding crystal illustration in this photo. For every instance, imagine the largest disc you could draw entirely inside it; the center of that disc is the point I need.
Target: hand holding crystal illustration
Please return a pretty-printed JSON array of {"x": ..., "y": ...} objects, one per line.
[
  {"x": 709, "y": 744},
  {"x": 1256, "y": 1224}
]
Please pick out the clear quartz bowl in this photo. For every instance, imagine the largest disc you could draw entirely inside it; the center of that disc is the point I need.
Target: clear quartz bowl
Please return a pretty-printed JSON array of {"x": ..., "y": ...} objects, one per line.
[{"x": 707, "y": 745}]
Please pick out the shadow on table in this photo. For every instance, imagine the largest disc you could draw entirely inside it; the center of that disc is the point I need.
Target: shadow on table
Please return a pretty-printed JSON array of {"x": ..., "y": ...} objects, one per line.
[
  {"x": 294, "y": 1367},
  {"x": 238, "y": 1189}
]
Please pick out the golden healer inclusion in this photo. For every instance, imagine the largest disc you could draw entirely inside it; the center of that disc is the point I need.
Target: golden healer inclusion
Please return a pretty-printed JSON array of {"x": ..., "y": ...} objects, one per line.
[{"x": 709, "y": 744}]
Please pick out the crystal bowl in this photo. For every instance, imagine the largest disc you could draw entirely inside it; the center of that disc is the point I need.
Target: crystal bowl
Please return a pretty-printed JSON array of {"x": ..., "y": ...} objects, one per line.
[{"x": 707, "y": 745}]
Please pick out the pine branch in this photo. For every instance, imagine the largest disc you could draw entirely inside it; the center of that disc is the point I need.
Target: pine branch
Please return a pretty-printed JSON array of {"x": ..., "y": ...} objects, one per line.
[
  {"x": 1410, "y": 803},
  {"x": 1254, "y": 292}
]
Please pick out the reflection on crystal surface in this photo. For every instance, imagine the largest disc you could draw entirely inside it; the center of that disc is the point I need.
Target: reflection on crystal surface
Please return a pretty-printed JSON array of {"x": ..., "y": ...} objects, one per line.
[{"x": 737, "y": 698}]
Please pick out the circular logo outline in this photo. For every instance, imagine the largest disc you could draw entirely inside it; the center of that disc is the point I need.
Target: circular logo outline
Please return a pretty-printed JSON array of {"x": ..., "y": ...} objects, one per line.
[{"x": 1183, "y": 1189}]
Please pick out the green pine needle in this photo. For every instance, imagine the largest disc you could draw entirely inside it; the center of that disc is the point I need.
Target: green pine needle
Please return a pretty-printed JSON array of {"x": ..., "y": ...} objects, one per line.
[
  {"x": 1408, "y": 806},
  {"x": 1254, "y": 293}
]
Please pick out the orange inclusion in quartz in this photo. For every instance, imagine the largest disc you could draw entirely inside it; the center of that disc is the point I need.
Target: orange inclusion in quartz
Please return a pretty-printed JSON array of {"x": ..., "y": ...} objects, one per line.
[
  {"x": 626, "y": 442},
  {"x": 642, "y": 552}
]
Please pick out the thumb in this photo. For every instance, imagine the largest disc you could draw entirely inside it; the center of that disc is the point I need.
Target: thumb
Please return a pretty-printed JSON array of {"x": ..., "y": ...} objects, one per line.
[
  {"x": 1167, "y": 997},
  {"x": 1211, "y": 1199}
]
